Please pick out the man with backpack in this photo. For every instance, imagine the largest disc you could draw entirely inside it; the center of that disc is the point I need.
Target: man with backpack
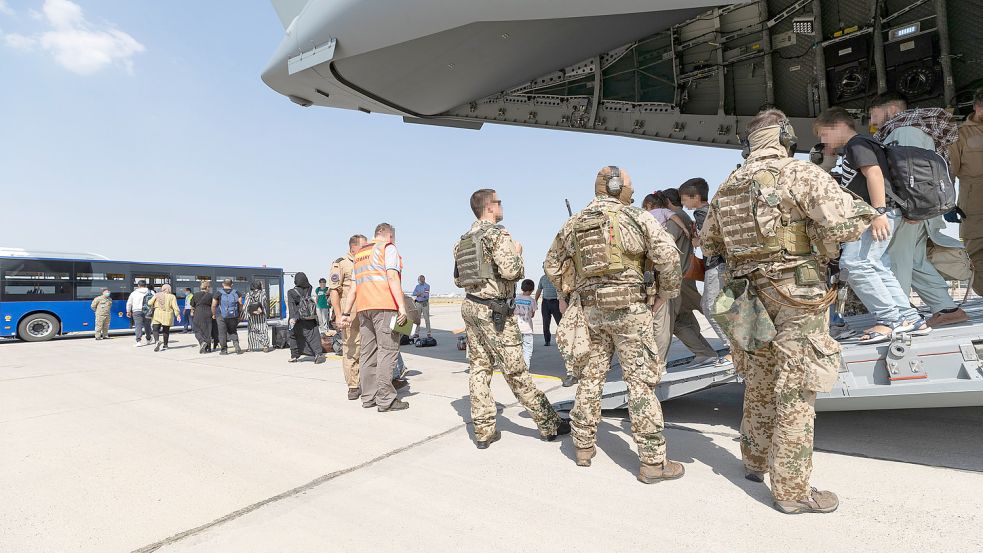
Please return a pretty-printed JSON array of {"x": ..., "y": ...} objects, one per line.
[
  {"x": 137, "y": 308},
  {"x": 863, "y": 263},
  {"x": 935, "y": 130},
  {"x": 226, "y": 309},
  {"x": 966, "y": 157}
]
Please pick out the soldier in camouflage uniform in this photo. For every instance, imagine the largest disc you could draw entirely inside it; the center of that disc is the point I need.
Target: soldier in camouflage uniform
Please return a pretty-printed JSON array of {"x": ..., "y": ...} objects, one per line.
[
  {"x": 776, "y": 220},
  {"x": 102, "y": 306},
  {"x": 600, "y": 257},
  {"x": 487, "y": 264}
]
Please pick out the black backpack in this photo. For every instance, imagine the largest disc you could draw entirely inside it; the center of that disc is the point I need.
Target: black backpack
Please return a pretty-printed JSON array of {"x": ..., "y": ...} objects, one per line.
[
  {"x": 306, "y": 308},
  {"x": 919, "y": 181}
]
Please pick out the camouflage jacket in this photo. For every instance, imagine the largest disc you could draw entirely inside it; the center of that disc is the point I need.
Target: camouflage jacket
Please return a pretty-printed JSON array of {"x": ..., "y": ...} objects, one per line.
[
  {"x": 641, "y": 234},
  {"x": 806, "y": 193},
  {"x": 102, "y": 305},
  {"x": 509, "y": 269}
]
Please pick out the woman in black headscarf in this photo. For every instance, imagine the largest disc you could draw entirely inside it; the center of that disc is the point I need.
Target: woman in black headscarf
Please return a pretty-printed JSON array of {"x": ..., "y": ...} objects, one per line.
[
  {"x": 256, "y": 307},
  {"x": 303, "y": 321}
]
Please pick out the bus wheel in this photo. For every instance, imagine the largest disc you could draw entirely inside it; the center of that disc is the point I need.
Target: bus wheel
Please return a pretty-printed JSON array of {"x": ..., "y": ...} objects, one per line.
[{"x": 37, "y": 327}]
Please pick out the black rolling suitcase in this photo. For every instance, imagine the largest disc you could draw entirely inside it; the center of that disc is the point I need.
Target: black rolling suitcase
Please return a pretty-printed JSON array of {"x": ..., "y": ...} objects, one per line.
[{"x": 280, "y": 336}]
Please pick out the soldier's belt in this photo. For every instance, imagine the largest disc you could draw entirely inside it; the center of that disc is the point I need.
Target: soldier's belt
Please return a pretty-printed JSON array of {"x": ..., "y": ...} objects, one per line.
[{"x": 612, "y": 297}]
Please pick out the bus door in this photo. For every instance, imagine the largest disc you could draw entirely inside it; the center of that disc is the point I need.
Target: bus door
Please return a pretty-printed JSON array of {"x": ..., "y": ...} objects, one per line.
[{"x": 273, "y": 290}]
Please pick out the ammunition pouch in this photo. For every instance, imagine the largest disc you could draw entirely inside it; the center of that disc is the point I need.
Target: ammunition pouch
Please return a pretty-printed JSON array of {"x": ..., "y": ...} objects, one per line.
[
  {"x": 502, "y": 309},
  {"x": 598, "y": 246},
  {"x": 612, "y": 298}
]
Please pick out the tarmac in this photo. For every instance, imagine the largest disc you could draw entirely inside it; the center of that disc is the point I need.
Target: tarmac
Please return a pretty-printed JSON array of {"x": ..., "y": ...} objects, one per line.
[{"x": 105, "y": 447}]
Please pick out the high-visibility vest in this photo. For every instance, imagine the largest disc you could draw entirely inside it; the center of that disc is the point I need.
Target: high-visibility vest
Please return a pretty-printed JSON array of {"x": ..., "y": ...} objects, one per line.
[{"x": 371, "y": 282}]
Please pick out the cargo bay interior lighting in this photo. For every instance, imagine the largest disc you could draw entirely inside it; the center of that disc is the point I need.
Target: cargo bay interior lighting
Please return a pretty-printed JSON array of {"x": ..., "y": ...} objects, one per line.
[{"x": 804, "y": 25}]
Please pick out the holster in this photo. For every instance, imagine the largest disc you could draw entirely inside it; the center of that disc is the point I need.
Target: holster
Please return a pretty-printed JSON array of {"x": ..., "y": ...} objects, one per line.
[{"x": 502, "y": 309}]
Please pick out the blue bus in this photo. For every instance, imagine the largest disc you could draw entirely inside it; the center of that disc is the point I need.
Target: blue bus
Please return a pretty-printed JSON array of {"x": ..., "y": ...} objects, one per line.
[{"x": 42, "y": 297}]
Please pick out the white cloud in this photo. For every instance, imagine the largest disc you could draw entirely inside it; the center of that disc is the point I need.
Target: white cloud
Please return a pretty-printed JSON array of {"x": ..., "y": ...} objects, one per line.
[
  {"x": 76, "y": 43},
  {"x": 19, "y": 42},
  {"x": 5, "y": 9}
]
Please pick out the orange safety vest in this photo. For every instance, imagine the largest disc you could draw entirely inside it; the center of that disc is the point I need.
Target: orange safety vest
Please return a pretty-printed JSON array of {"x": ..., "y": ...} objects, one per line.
[{"x": 371, "y": 282}]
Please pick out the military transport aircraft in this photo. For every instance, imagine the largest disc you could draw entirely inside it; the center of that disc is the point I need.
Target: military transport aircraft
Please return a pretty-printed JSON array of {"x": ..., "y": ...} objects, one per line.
[{"x": 687, "y": 71}]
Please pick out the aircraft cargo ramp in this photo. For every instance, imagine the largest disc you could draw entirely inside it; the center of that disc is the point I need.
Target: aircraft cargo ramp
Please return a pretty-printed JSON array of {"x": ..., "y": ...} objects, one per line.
[{"x": 942, "y": 369}]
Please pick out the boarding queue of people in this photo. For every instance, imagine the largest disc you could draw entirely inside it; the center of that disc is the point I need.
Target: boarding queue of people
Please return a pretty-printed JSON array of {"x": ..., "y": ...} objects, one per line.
[{"x": 622, "y": 280}]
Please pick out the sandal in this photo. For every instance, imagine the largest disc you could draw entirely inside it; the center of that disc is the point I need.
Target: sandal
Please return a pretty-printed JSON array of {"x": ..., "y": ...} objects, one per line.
[
  {"x": 871, "y": 336},
  {"x": 918, "y": 328}
]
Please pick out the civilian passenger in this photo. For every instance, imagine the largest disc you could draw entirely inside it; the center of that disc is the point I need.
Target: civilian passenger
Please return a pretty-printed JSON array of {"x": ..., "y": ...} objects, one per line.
[
  {"x": 165, "y": 310},
  {"x": 136, "y": 309},
  {"x": 226, "y": 309}
]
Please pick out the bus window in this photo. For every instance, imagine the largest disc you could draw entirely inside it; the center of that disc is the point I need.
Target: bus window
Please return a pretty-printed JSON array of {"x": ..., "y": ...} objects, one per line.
[
  {"x": 189, "y": 281},
  {"x": 90, "y": 285},
  {"x": 154, "y": 281},
  {"x": 30, "y": 280}
]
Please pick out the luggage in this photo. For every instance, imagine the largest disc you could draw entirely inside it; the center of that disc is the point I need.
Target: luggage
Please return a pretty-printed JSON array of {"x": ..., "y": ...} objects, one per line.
[
  {"x": 280, "y": 336},
  {"x": 327, "y": 343},
  {"x": 427, "y": 342},
  {"x": 462, "y": 343}
]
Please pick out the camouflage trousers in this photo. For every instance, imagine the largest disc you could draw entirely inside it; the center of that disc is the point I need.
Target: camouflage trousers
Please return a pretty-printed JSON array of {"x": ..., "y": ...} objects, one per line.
[
  {"x": 630, "y": 333},
  {"x": 781, "y": 381},
  {"x": 102, "y": 325},
  {"x": 489, "y": 350}
]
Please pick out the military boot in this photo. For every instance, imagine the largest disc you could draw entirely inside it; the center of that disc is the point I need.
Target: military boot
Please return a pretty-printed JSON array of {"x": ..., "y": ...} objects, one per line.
[
  {"x": 483, "y": 444},
  {"x": 817, "y": 502},
  {"x": 583, "y": 455},
  {"x": 569, "y": 381},
  {"x": 754, "y": 475},
  {"x": 354, "y": 393},
  {"x": 562, "y": 429},
  {"x": 667, "y": 470}
]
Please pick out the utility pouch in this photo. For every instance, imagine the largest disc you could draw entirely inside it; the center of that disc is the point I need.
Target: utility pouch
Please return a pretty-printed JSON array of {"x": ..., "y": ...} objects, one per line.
[
  {"x": 743, "y": 317},
  {"x": 808, "y": 274},
  {"x": 612, "y": 298}
]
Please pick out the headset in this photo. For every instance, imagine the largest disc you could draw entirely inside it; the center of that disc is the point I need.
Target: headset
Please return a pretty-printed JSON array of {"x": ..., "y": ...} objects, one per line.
[
  {"x": 614, "y": 182},
  {"x": 786, "y": 137}
]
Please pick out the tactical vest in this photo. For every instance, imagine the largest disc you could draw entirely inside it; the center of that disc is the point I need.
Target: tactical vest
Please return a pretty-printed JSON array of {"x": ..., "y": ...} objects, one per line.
[
  {"x": 598, "y": 246},
  {"x": 750, "y": 214},
  {"x": 472, "y": 263}
]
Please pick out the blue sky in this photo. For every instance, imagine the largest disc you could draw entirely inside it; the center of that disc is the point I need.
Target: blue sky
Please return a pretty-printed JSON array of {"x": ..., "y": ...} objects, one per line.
[{"x": 141, "y": 130}]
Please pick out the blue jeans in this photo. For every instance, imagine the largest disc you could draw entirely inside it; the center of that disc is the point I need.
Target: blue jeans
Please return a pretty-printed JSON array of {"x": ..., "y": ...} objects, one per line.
[{"x": 866, "y": 267}]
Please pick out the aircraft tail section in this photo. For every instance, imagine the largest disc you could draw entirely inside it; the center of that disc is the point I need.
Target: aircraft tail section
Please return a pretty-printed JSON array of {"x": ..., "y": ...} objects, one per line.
[{"x": 288, "y": 10}]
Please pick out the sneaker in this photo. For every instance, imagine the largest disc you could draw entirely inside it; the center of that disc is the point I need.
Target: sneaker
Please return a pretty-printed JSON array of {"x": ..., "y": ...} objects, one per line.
[
  {"x": 400, "y": 383},
  {"x": 201, "y": 348},
  {"x": 368, "y": 405},
  {"x": 293, "y": 360},
  {"x": 267, "y": 349},
  {"x": 561, "y": 430},
  {"x": 667, "y": 470},
  {"x": 396, "y": 405},
  {"x": 354, "y": 393},
  {"x": 583, "y": 455},
  {"x": 483, "y": 444},
  {"x": 570, "y": 381},
  {"x": 319, "y": 359},
  {"x": 942, "y": 318},
  {"x": 238, "y": 349},
  {"x": 136, "y": 345},
  {"x": 157, "y": 347},
  {"x": 224, "y": 352},
  {"x": 817, "y": 502},
  {"x": 164, "y": 348}
]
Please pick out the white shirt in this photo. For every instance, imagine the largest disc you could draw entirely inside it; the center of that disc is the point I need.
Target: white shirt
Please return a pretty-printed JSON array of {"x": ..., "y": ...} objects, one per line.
[{"x": 135, "y": 301}]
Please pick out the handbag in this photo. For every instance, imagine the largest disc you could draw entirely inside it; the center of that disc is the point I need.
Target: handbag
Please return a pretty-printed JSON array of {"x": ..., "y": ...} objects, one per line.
[{"x": 697, "y": 268}]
